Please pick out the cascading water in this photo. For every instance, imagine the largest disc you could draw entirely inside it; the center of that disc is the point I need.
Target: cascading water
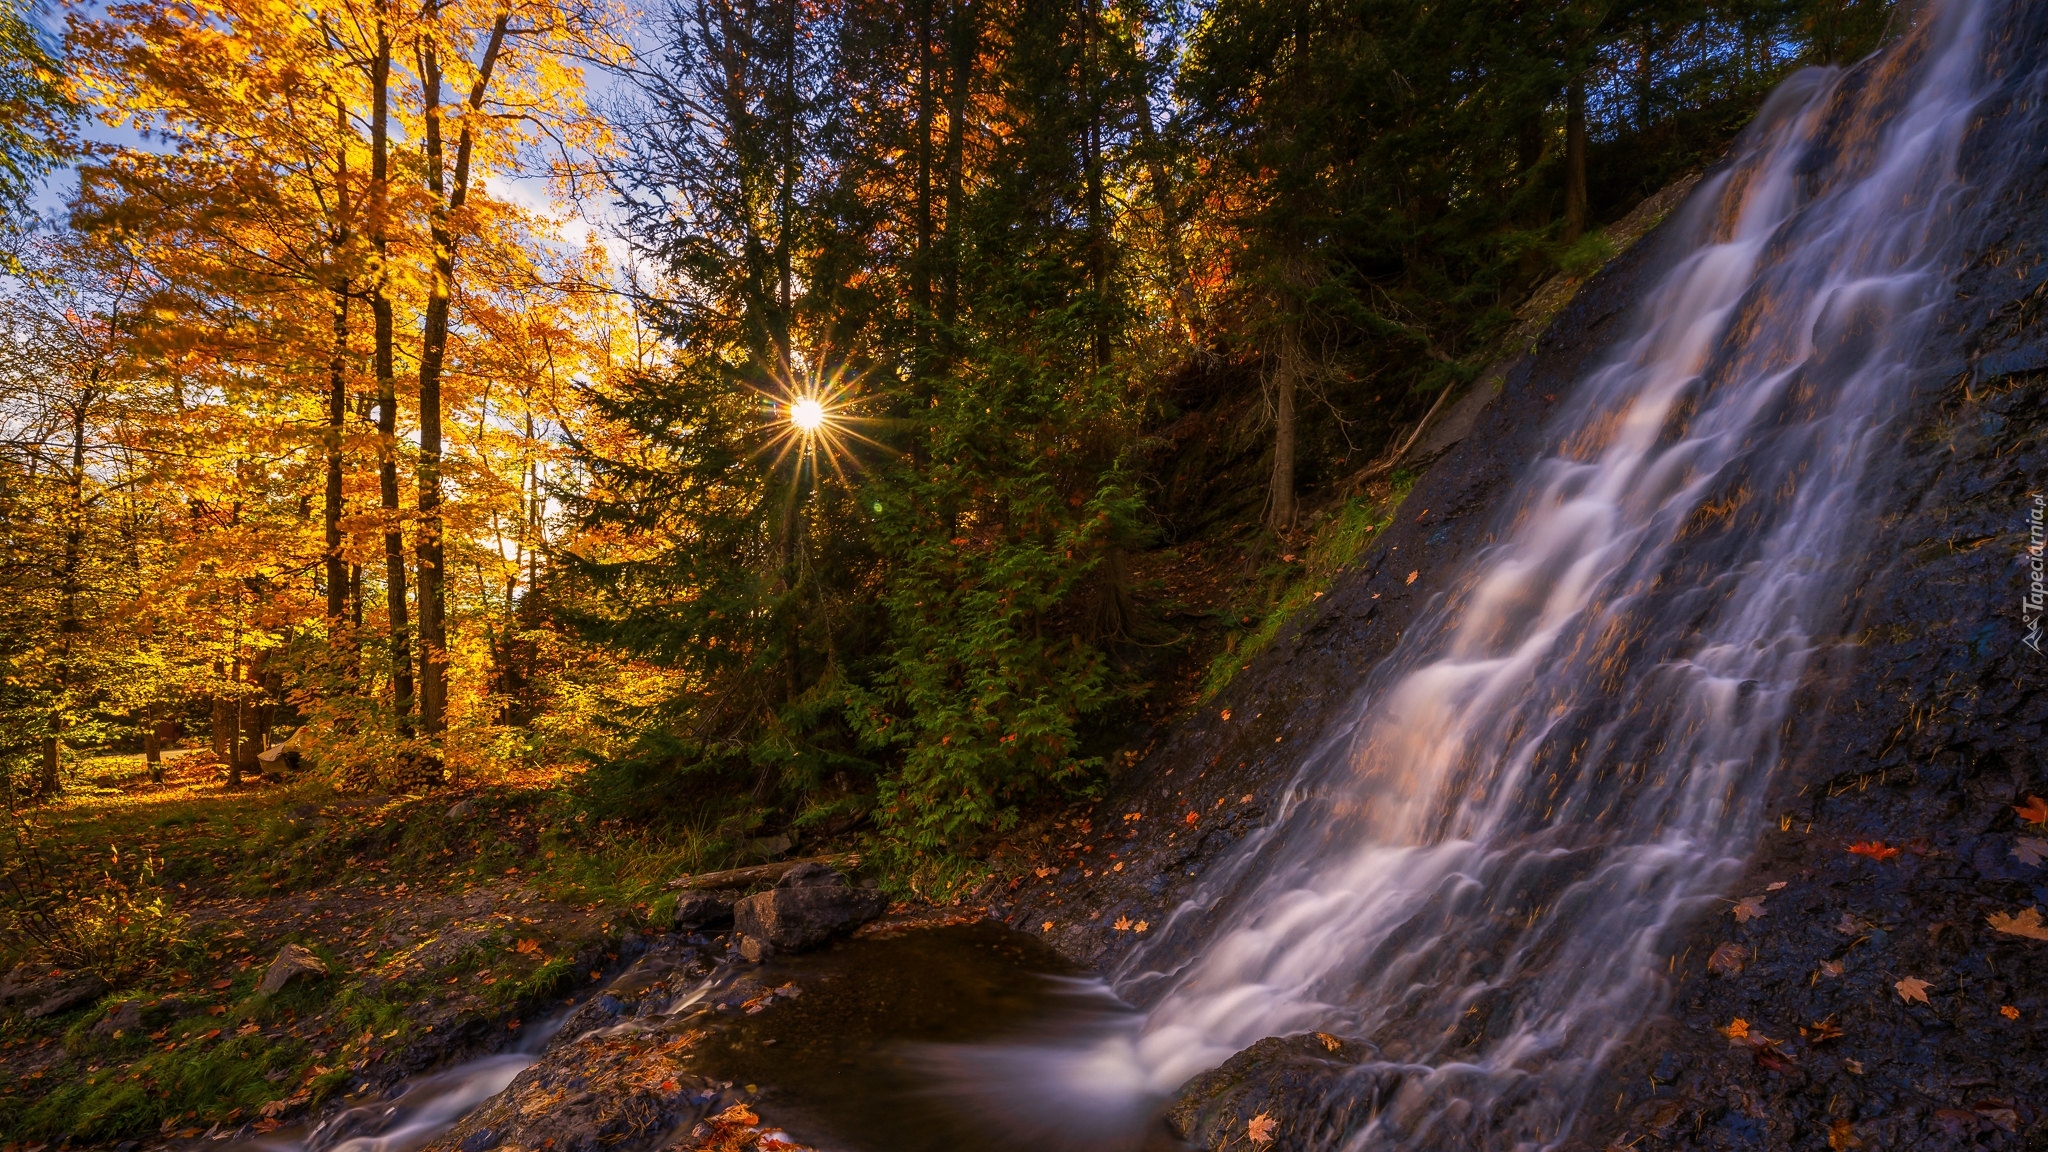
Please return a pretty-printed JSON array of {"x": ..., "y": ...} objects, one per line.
[{"x": 1566, "y": 760}]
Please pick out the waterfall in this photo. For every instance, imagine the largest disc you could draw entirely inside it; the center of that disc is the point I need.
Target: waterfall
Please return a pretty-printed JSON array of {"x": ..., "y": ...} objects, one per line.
[{"x": 1566, "y": 761}]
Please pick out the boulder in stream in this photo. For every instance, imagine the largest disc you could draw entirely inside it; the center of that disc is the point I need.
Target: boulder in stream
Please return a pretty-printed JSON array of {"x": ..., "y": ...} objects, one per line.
[{"x": 810, "y": 904}]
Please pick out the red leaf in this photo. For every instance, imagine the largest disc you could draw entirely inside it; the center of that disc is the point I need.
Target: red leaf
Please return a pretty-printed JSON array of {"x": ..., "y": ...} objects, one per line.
[{"x": 1873, "y": 849}]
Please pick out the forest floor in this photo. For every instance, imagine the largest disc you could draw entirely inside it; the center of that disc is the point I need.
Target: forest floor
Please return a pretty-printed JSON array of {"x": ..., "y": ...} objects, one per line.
[{"x": 441, "y": 922}]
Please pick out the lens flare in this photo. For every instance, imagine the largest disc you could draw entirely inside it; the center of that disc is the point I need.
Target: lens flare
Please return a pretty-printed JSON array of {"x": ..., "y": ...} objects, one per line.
[{"x": 807, "y": 414}]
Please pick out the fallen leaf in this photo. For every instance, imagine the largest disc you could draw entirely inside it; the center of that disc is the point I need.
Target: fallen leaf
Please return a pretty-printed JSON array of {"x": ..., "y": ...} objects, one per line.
[
  {"x": 1825, "y": 1030},
  {"x": 1912, "y": 988},
  {"x": 2009, "y": 1012},
  {"x": 2031, "y": 850},
  {"x": 1832, "y": 968},
  {"x": 1330, "y": 1043},
  {"x": 1412, "y": 576},
  {"x": 1855, "y": 1066},
  {"x": 1193, "y": 816},
  {"x": 1042, "y": 873},
  {"x": 1774, "y": 886},
  {"x": 273, "y": 1108},
  {"x": 1842, "y": 1134},
  {"x": 1748, "y": 908},
  {"x": 2027, "y": 923},
  {"x": 1728, "y": 959},
  {"x": 1045, "y": 927},
  {"x": 528, "y": 947},
  {"x": 1737, "y": 1029},
  {"x": 1260, "y": 1128},
  {"x": 1226, "y": 714},
  {"x": 1123, "y": 924},
  {"x": 1140, "y": 926},
  {"x": 1873, "y": 849},
  {"x": 1848, "y": 925},
  {"x": 210, "y": 1035},
  {"x": 2034, "y": 811},
  {"x": 221, "y": 983}
]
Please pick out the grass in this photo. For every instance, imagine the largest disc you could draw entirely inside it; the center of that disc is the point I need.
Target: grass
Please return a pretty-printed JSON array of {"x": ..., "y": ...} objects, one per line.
[
  {"x": 380, "y": 887},
  {"x": 1298, "y": 580}
]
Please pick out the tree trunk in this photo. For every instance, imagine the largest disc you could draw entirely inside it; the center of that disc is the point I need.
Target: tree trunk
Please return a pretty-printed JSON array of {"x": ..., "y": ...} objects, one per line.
[
  {"x": 1183, "y": 288},
  {"x": 1280, "y": 490},
  {"x": 921, "y": 270},
  {"x": 1098, "y": 224},
  {"x": 220, "y": 735},
  {"x": 1575, "y": 162},
  {"x": 449, "y": 197},
  {"x": 400, "y": 639},
  {"x": 337, "y": 402},
  {"x": 962, "y": 43},
  {"x": 152, "y": 745},
  {"x": 236, "y": 724}
]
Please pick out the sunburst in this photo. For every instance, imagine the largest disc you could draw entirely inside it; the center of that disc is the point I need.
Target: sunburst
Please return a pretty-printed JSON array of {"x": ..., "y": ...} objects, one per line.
[{"x": 813, "y": 417}]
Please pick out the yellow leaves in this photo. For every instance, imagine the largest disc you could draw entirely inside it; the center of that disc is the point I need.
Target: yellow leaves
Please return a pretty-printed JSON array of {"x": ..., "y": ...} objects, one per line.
[
  {"x": 527, "y": 947},
  {"x": 2027, "y": 924},
  {"x": 1140, "y": 926},
  {"x": 1911, "y": 989},
  {"x": 1330, "y": 1043},
  {"x": 1737, "y": 1030},
  {"x": 1045, "y": 927},
  {"x": 1260, "y": 1128}
]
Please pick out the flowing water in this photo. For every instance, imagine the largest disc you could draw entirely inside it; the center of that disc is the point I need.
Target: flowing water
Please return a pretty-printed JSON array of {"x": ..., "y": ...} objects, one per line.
[{"x": 1565, "y": 762}]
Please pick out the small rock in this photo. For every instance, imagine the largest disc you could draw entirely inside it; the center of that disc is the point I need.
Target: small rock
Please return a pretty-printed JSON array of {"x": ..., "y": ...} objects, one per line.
[
  {"x": 461, "y": 809},
  {"x": 292, "y": 962},
  {"x": 811, "y": 874},
  {"x": 82, "y": 990},
  {"x": 124, "y": 1017},
  {"x": 755, "y": 950},
  {"x": 705, "y": 909},
  {"x": 770, "y": 847}
]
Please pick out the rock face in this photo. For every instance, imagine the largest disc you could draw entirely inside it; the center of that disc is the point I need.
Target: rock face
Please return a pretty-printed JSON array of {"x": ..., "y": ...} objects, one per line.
[
  {"x": 123, "y": 1018},
  {"x": 808, "y": 906},
  {"x": 293, "y": 962},
  {"x": 68, "y": 995}
]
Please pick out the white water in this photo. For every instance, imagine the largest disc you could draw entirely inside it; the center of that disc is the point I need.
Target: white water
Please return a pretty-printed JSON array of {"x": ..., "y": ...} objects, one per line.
[{"x": 1565, "y": 763}]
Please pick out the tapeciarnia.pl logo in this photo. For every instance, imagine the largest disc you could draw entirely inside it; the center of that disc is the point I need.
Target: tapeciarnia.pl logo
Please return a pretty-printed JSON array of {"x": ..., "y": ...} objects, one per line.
[{"x": 2031, "y": 605}]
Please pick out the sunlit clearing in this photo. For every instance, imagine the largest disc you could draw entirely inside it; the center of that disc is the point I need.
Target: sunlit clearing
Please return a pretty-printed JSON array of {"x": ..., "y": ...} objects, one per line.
[{"x": 807, "y": 414}]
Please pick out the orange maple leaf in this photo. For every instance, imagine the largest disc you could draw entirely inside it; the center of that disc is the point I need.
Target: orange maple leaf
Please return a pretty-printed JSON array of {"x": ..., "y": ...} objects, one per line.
[
  {"x": 1873, "y": 849},
  {"x": 1260, "y": 1128},
  {"x": 1748, "y": 908},
  {"x": 2034, "y": 811},
  {"x": 1737, "y": 1029},
  {"x": 1911, "y": 988},
  {"x": 2027, "y": 923},
  {"x": 2009, "y": 1012}
]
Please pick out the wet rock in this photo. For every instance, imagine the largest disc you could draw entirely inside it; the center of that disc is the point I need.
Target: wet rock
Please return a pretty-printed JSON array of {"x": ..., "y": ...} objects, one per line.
[
  {"x": 293, "y": 962},
  {"x": 122, "y": 1019},
  {"x": 79, "y": 990},
  {"x": 1281, "y": 1077},
  {"x": 695, "y": 910},
  {"x": 808, "y": 906},
  {"x": 462, "y": 810}
]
